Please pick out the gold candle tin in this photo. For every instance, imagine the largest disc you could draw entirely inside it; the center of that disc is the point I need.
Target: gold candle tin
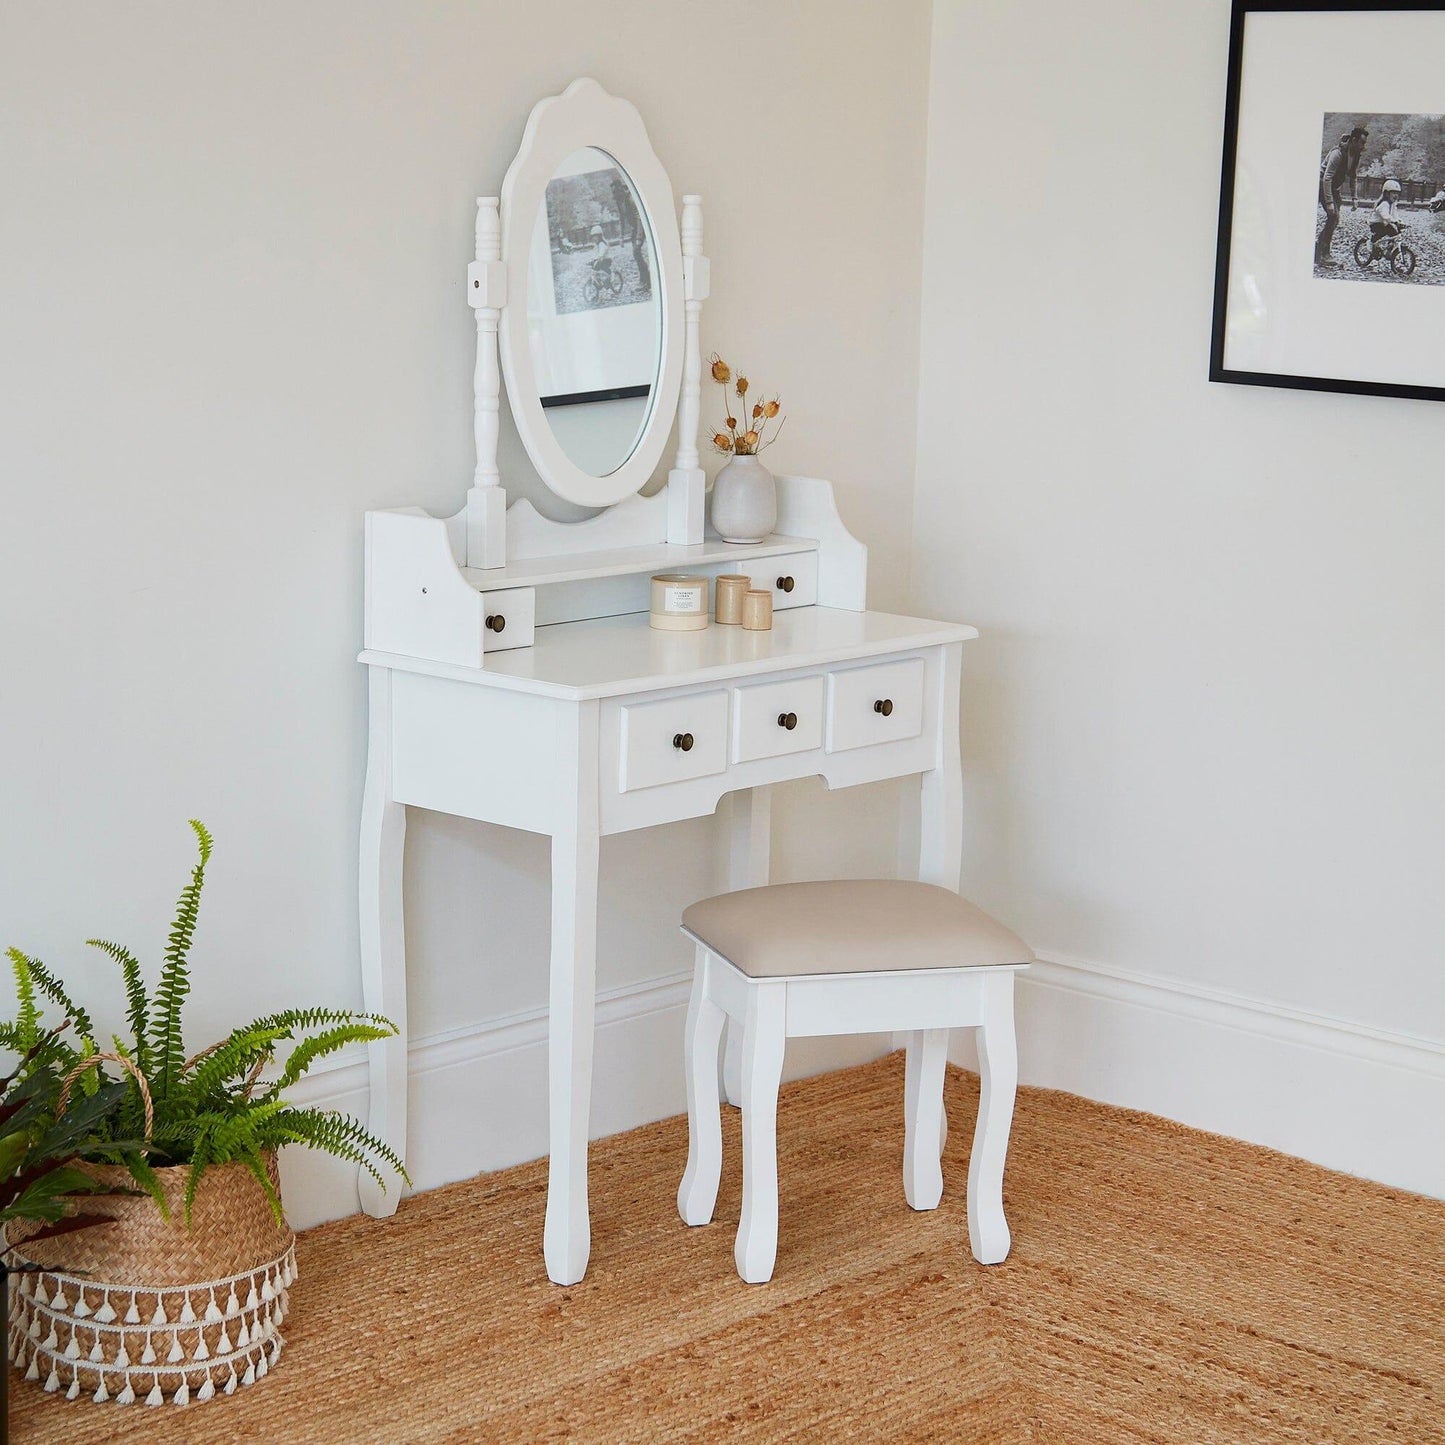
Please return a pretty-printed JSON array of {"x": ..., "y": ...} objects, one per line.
[
  {"x": 679, "y": 602},
  {"x": 758, "y": 611},
  {"x": 729, "y": 592}
]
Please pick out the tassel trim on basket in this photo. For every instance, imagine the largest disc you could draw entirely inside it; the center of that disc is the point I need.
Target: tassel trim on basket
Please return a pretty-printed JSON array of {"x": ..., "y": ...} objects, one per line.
[
  {"x": 65, "y": 1328},
  {"x": 241, "y": 1368}
]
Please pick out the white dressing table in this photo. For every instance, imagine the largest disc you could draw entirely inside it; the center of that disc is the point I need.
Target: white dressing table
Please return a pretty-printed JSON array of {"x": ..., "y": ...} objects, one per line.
[{"x": 513, "y": 676}]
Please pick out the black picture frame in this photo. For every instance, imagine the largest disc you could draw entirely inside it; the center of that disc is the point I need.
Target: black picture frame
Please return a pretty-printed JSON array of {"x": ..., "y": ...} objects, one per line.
[
  {"x": 1239, "y": 16},
  {"x": 610, "y": 393}
]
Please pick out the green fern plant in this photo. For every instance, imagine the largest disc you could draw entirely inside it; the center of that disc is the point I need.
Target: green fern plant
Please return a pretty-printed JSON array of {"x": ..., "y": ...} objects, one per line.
[{"x": 214, "y": 1107}]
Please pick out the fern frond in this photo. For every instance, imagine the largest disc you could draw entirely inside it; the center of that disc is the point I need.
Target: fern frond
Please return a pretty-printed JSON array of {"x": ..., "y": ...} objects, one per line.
[
  {"x": 309, "y": 1050},
  {"x": 147, "y": 1178},
  {"x": 237, "y": 1056},
  {"x": 12, "y": 1037},
  {"x": 90, "y": 1080},
  {"x": 339, "y": 1134},
  {"x": 55, "y": 991},
  {"x": 175, "y": 982},
  {"x": 137, "y": 1000},
  {"x": 237, "y": 1135},
  {"x": 254, "y": 1163},
  {"x": 201, "y": 1157},
  {"x": 27, "y": 1016},
  {"x": 304, "y": 1020}
]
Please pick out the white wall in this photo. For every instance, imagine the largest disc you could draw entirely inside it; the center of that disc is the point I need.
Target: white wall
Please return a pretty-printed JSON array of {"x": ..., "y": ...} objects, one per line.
[
  {"x": 234, "y": 241},
  {"x": 1203, "y": 722}
]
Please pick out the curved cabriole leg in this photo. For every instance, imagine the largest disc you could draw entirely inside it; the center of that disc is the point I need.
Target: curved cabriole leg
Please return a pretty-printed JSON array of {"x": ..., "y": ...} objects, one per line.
[
  {"x": 383, "y": 940},
  {"x": 988, "y": 1233},
  {"x": 698, "y": 1192},
  {"x": 922, "y": 1110},
  {"x": 763, "y": 1040}
]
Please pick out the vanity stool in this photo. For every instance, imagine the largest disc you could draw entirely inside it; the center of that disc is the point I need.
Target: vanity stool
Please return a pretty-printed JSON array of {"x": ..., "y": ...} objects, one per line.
[{"x": 845, "y": 957}]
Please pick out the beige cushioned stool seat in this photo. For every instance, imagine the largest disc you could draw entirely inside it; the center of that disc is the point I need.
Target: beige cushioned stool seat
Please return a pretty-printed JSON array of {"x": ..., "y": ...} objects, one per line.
[{"x": 850, "y": 926}]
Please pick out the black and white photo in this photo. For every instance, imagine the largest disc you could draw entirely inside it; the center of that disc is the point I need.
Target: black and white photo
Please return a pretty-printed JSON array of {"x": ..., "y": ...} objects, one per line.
[
  {"x": 1382, "y": 198},
  {"x": 598, "y": 242}
]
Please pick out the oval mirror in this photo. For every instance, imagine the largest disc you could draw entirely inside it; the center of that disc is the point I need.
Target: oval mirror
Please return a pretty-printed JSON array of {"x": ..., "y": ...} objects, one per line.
[
  {"x": 592, "y": 327},
  {"x": 594, "y": 314}
]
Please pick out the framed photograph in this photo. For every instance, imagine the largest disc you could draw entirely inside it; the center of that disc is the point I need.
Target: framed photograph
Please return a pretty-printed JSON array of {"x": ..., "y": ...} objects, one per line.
[
  {"x": 594, "y": 310},
  {"x": 1330, "y": 268}
]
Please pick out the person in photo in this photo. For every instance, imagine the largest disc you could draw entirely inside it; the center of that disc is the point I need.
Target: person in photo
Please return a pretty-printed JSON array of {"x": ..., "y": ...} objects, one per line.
[
  {"x": 1385, "y": 220},
  {"x": 1342, "y": 164},
  {"x": 601, "y": 259}
]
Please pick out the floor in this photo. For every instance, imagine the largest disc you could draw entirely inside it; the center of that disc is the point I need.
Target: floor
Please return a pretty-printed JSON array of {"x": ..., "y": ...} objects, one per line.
[{"x": 1165, "y": 1285}]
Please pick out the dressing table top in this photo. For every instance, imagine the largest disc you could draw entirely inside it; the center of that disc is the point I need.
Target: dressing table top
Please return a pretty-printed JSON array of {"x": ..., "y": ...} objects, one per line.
[{"x": 610, "y": 656}]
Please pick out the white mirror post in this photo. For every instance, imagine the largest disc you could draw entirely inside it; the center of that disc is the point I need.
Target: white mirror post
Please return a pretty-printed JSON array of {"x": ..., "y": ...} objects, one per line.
[
  {"x": 687, "y": 482},
  {"x": 487, "y": 292}
]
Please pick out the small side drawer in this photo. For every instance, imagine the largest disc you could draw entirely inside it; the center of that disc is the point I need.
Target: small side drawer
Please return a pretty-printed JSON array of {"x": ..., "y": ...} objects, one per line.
[
  {"x": 771, "y": 719},
  {"x": 673, "y": 740},
  {"x": 878, "y": 704},
  {"x": 793, "y": 580},
  {"x": 508, "y": 618}
]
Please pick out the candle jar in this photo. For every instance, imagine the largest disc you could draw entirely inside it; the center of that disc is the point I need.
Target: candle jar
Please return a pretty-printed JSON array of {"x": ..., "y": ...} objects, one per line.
[
  {"x": 730, "y": 590},
  {"x": 679, "y": 602},
  {"x": 757, "y": 611}
]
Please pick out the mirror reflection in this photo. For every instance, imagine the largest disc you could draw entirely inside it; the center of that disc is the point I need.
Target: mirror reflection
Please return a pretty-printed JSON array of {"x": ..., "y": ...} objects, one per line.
[{"x": 594, "y": 311}]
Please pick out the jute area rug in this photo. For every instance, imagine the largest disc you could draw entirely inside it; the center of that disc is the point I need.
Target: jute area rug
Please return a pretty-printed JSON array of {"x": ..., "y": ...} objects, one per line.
[{"x": 1165, "y": 1285}]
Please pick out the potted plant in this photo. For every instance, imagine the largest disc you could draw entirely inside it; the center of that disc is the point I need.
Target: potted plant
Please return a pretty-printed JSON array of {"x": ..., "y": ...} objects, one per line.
[{"x": 184, "y": 1293}]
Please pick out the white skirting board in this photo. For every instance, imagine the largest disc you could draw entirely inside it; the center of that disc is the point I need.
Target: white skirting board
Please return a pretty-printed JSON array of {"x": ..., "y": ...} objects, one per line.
[
  {"x": 1353, "y": 1098},
  {"x": 478, "y": 1094}
]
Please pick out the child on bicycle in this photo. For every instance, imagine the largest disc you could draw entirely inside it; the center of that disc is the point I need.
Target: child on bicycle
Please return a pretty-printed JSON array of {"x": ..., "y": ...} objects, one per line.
[
  {"x": 1386, "y": 219},
  {"x": 601, "y": 261}
]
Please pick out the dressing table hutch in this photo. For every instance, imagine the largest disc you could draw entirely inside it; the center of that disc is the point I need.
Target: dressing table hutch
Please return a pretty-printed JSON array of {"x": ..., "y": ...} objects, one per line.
[{"x": 512, "y": 673}]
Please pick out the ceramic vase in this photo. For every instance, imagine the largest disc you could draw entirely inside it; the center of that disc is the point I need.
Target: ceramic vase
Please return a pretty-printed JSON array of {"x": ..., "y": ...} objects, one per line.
[{"x": 744, "y": 501}]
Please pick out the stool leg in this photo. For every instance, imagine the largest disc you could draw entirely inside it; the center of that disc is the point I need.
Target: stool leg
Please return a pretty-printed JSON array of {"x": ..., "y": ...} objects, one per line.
[
  {"x": 922, "y": 1110},
  {"x": 698, "y": 1192},
  {"x": 763, "y": 1041},
  {"x": 998, "y": 1070}
]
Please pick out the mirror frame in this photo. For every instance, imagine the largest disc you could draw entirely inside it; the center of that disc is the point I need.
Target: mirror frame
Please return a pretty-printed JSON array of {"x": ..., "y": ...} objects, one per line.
[{"x": 586, "y": 115}]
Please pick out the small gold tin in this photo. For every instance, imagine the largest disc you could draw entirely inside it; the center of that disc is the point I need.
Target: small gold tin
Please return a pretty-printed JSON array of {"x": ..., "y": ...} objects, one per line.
[
  {"x": 758, "y": 611},
  {"x": 728, "y": 592}
]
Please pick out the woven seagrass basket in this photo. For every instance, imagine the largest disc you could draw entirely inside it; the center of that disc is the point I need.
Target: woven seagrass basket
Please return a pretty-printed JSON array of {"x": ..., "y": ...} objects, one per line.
[{"x": 148, "y": 1308}]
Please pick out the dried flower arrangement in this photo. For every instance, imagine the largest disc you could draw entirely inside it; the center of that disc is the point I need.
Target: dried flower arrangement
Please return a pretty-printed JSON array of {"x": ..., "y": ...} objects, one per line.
[{"x": 748, "y": 441}]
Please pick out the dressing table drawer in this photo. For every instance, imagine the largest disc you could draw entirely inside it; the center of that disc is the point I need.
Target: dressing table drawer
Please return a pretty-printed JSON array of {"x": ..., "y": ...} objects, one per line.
[
  {"x": 878, "y": 704},
  {"x": 672, "y": 740},
  {"x": 793, "y": 580},
  {"x": 508, "y": 618},
  {"x": 772, "y": 719}
]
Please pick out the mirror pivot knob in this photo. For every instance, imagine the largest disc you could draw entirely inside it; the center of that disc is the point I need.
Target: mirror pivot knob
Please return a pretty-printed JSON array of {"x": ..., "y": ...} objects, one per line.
[{"x": 884, "y": 705}]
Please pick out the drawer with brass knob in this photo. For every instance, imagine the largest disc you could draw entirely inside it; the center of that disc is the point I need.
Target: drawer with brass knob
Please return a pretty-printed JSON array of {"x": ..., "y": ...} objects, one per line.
[
  {"x": 880, "y": 703},
  {"x": 772, "y": 719},
  {"x": 792, "y": 579},
  {"x": 507, "y": 619},
  {"x": 672, "y": 740}
]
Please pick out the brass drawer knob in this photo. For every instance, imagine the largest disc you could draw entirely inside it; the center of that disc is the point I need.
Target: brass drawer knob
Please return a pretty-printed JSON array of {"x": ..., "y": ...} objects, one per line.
[
  {"x": 785, "y": 584},
  {"x": 788, "y": 720},
  {"x": 496, "y": 622},
  {"x": 884, "y": 705},
  {"x": 682, "y": 741}
]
